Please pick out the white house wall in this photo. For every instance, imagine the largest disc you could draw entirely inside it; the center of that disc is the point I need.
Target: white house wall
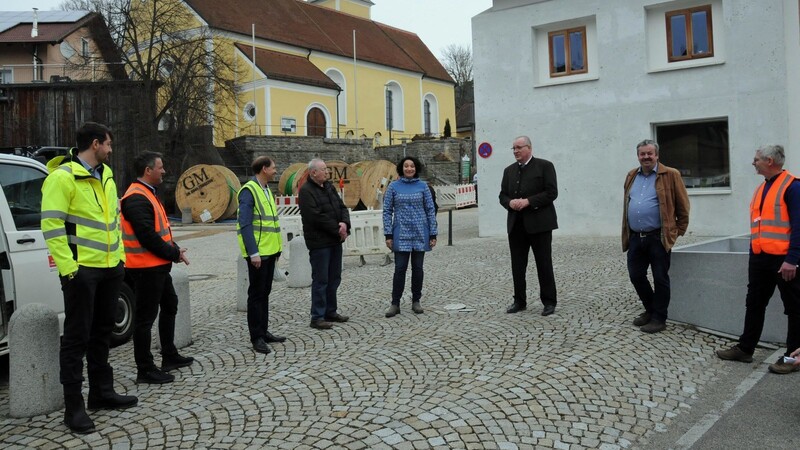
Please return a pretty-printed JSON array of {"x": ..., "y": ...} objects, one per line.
[{"x": 589, "y": 129}]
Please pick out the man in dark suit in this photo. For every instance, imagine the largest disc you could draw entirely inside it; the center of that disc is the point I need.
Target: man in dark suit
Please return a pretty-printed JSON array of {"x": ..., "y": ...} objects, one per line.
[{"x": 527, "y": 191}]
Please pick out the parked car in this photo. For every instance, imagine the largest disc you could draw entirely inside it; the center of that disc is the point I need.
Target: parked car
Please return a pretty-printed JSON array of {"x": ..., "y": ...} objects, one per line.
[{"x": 29, "y": 273}]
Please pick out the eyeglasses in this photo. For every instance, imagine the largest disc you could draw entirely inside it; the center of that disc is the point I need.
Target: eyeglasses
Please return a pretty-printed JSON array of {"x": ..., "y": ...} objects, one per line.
[{"x": 519, "y": 147}]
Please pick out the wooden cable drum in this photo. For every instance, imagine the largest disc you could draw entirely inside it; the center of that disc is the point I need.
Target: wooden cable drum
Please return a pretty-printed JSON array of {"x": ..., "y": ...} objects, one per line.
[
  {"x": 207, "y": 191},
  {"x": 297, "y": 180},
  {"x": 233, "y": 186},
  {"x": 349, "y": 187},
  {"x": 287, "y": 177},
  {"x": 374, "y": 180}
]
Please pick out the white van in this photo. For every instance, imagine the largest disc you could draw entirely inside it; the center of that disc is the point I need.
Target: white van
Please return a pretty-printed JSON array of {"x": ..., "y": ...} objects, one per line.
[{"x": 29, "y": 274}]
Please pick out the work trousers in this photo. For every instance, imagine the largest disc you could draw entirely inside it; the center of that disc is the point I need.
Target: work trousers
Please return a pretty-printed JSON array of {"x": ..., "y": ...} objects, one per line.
[
  {"x": 154, "y": 291},
  {"x": 258, "y": 296}
]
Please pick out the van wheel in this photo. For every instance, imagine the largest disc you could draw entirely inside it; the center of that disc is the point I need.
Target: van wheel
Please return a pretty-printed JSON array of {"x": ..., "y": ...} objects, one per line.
[{"x": 123, "y": 320}]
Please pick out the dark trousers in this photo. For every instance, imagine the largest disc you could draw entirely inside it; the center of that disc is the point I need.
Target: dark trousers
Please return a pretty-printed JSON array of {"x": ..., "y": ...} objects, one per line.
[
  {"x": 90, "y": 304},
  {"x": 763, "y": 276},
  {"x": 326, "y": 275},
  {"x": 258, "y": 296},
  {"x": 154, "y": 290},
  {"x": 519, "y": 241},
  {"x": 649, "y": 251},
  {"x": 417, "y": 275}
]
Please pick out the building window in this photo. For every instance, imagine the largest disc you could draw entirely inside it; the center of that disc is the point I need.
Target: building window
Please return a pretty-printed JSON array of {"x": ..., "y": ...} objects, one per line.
[
  {"x": 249, "y": 111},
  {"x": 699, "y": 150},
  {"x": 389, "y": 109},
  {"x": 567, "y": 51},
  {"x": 689, "y": 34},
  {"x": 6, "y": 76},
  {"x": 85, "y": 47}
]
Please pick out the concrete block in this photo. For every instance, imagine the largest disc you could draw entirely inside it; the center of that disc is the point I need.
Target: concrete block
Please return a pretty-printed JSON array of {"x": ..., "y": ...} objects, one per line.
[
  {"x": 34, "y": 386},
  {"x": 299, "y": 264},
  {"x": 709, "y": 286},
  {"x": 183, "y": 320},
  {"x": 242, "y": 283}
]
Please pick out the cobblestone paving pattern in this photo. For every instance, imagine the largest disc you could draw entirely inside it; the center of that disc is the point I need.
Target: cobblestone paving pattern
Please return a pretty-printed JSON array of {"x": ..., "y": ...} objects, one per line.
[{"x": 582, "y": 378}]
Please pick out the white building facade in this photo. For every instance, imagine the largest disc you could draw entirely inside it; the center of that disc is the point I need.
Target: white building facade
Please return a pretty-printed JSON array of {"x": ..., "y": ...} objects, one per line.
[{"x": 710, "y": 80}]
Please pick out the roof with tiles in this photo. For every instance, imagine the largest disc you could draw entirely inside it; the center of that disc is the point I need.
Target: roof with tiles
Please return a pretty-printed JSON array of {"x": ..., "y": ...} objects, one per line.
[
  {"x": 286, "y": 67},
  {"x": 312, "y": 27}
]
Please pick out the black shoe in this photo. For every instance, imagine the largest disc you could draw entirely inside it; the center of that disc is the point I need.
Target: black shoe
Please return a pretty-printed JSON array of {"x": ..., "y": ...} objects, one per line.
[
  {"x": 261, "y": 346},
  {"x": 154, "y": 376},
  {"x": 175, "y": 361},
  {"x": 111, "y": 400},
  {"x": 642, "y": 319},
  {"x": 515, "y": 308},
  {"x": 548, "y": 309},
  {"x": 75, "y": 417},
  {"x": 336, "y": 317},
  {"x": 274, "y": 338},
  {"x": 654, "y": 327}
]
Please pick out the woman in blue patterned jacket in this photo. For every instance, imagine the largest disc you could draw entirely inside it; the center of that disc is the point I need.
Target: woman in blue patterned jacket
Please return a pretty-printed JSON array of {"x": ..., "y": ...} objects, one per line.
[{"x": 409, "y": 224}]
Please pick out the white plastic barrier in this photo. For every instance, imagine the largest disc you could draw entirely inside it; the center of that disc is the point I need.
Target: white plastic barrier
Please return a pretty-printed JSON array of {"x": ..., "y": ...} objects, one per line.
[
  {"x": 287, "y": 205},
  {"x": 366, "y": 233},
  {"x": 455, "y": 195}
]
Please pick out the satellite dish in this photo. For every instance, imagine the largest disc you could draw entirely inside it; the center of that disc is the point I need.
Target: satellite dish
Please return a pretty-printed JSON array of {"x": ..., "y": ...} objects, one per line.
[{"x": 66, "y": 50}]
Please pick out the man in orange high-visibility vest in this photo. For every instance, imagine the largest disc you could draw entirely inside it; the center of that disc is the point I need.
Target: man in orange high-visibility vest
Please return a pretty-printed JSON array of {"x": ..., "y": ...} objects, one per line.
[
  {"x": 149, "y": 254},
  {"x": 774, "y": 255}
]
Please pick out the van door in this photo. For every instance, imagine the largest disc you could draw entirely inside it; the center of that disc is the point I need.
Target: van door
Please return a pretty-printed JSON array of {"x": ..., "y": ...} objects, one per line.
[{"x": 28, "y": 271}]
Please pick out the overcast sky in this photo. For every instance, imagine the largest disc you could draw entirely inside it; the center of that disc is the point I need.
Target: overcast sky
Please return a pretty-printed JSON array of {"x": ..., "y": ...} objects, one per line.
[{"x": 438, "y": 23}]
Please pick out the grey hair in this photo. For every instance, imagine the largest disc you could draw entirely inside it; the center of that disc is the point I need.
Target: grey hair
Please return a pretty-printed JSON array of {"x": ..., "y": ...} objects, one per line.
[
  {"x": 314, "y": 163},
  {"x": 645, "y": 143},
  {"x": 772, "y": 151},
  {"x": 526, "y": 139}
]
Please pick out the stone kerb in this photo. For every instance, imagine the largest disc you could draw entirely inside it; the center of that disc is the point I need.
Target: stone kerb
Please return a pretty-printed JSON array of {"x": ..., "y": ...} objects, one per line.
[
  {"x": 183, "y": 320},
  {"x": 709, "y": 285},
  {"x": 33, "y": 341},
  {"x": 299, "y": 264}
]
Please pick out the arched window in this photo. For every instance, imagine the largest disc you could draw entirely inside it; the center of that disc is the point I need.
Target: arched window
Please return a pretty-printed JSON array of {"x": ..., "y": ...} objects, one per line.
[
  {"x": 338, "y": 78},
  {"x": 394, "y": 107},
  {"x": 430, "y": 114}
]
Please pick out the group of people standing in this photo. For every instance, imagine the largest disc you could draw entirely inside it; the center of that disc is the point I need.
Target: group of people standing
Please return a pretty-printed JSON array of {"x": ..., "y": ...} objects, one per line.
[
  {"x": 93, "y": 241},
  {"x": 93, "y": 238}
]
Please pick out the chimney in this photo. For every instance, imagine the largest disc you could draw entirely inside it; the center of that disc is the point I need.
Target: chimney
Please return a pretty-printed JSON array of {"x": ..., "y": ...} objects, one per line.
[{"x": 35, "y": 29}]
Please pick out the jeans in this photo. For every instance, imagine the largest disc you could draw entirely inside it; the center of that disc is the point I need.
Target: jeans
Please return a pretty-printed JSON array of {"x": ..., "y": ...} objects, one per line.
[
  {"x": 763, "y": 277},
  {"x": 326, "y": 275},
  {"x": 153, "y": 289},
  {"x": 258, "y": 296},
  {"x": 90, "y": 304},
  {"x": 417, "y": 275},
  {"x": 649, "y": 251}
]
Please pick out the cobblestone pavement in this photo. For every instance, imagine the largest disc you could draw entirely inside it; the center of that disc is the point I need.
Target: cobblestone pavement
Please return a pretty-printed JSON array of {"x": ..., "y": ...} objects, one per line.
[{"x": 477, "y": 378}]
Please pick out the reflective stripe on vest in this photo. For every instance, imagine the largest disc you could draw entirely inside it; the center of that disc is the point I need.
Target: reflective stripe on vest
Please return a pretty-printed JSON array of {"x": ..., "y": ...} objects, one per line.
[
  {"x": 769, "y": 220},
  {"x": 266, "y": 228},
  {"x": 136, "y": 256}
]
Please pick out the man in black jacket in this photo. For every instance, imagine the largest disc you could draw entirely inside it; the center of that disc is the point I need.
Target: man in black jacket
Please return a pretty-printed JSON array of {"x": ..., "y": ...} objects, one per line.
[
  {"x": 527, "y": 191},
  {"x": 150, "y": 252},
  {"x": 326, "y": 224}
]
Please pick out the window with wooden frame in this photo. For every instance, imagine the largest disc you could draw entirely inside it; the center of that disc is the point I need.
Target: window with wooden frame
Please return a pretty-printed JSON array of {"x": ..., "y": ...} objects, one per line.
[
  {"x": 567, "y": 52},
  {"x": 689, "y": 34}
]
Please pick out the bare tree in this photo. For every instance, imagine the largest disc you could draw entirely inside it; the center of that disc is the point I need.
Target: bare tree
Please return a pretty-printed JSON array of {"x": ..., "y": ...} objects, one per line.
[
  {"x": 457, "y": 61},
  {"x": 189, "y": 67}
]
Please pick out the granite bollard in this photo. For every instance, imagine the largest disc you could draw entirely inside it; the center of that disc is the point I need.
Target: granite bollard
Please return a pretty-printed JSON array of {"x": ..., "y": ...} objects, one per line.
[
  {"x": 299, "y": 265},
  {"x": 183, "y": 320},
  {"x": 33, "y": 379}
]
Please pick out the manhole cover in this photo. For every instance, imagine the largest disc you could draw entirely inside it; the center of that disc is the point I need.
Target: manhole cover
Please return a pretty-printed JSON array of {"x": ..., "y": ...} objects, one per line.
[{"x": 201, "y": 276}]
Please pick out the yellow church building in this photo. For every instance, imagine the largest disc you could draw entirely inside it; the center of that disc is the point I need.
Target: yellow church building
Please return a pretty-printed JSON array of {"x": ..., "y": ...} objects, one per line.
[{"x": 324, "y": 68}]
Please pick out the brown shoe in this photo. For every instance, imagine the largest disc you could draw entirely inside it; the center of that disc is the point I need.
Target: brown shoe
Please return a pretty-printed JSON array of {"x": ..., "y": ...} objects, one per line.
[
  {"x": 336, "y": 317},
  {"x": 735, "y": 354},
  {"x": 321, "y": 324},
  {"x": 654, "y": 327},
  {"x": 642, "y": 319},
  {"x": 783, "y": 368}
]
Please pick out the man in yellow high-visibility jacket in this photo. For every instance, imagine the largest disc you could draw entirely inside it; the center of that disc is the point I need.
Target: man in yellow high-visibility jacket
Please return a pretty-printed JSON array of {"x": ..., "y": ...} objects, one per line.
[
  {"x": 80, "y": 222},
  {"x": 259, "y": 236}
]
